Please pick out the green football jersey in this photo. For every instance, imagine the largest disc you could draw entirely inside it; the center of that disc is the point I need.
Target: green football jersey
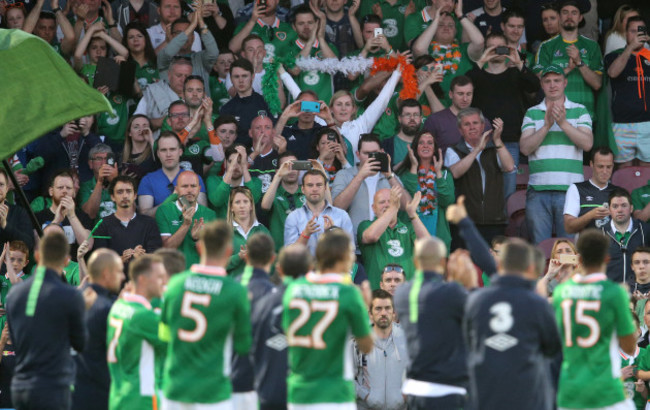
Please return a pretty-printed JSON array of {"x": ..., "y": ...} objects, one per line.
[
  {"x": 320, "y": 313},
  {"x": 553, "y": 51},
  {"x": 106, "y": 205},
  {"x": 169, "y": 218},
  {"x": 392, "y": 20},
  {"x": 395, "y": 245},
  {"x": 640, "y": 360},
  {"x": 205, "y": 315},
  {"x": 283, "y": 204},
  {"x": 591, "y": 312},
  {"x": 132, "y": 340},
  {"x": 321, "y": 83}
]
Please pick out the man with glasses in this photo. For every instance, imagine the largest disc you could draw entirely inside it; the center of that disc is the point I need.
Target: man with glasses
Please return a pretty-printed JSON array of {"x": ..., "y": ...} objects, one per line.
[
  {"x": 95, "y": 198},
  {"x": 410, "y": 121},
  {"x": 392, "y": 276},
  {"x": 157, "y": 186},
  {"x": 385, "y": 239}
]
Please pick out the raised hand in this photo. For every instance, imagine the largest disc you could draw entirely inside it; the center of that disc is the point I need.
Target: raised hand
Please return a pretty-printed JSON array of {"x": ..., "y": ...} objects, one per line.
[{"x": 457, "y": 212}]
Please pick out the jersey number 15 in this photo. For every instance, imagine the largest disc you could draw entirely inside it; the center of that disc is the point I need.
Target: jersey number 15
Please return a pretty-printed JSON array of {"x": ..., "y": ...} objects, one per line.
[{"x": 579, "y": 317}]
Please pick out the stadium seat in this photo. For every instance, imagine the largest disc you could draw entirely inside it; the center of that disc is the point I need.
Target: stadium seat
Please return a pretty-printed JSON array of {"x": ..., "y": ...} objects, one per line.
[
  {"x": 587, "y": 171},
  {"x": 516, "y": 202},
  {"x": 631, "y": 178},
  {"x": 516, "y": 208}
]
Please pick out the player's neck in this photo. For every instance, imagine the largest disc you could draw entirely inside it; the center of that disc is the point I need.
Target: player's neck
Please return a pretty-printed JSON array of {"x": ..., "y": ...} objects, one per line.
[
  {"x": 215, "y": 262},
  {"x": 141, "y": 292}
]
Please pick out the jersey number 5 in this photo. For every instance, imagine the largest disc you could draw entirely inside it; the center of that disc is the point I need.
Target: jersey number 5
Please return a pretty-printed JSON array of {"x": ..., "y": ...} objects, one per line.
[
  {"x": 315, "y": 339},
  {"x": 201, "y": 323},
  {"x": 580, "y": 318}
]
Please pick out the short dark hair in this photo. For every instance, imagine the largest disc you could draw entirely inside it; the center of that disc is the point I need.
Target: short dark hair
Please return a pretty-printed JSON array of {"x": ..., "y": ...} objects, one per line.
[
  {"x": 511, "y": 12},
  {"x": 142, "y": 266},
  {"x": 193, "y": 77},
  {"x": 308, "y": 92},
  {"x": 67, "y": 173},
  {"x": 231, "y": 150},
  {"x": 260, "y": 249},
  {"x": 411, "y": 102},
  {"x": 380, "y": 294},
  {"x": 169, "y": 134},
  {"x": 250, "y": 37},
  {"x": 460, "y": 81},
  {"x": 368, "y": 137},
  {"x": 242, "y": 63},
  {"x": 593, "y": 248},
  {"x": 284, "y": 155},
  {"x": 46, "y": 15},
  {"x": 516, "y": 256},
  {"x": 641, "y": 249},
  {"x": 173, "y": 259},
  {"x": 301, "y": 9},
  {"x": 53, "y": 248},
  {"x": 225, "y": 119},
  {"x": 496, "y": 34},
  {"x": 370, "y": 19},
  {"x": 178, "y": 102},
  {"x": 180, "y": 20},
  {"x": 333, "y": 246},
  {"x": 314, "y": 172},
  {"x": 124, "y": 179},
  {"x": 618, "y": 193},
  {"x": 498, "y": 240},
  {"x": 295, "y": 261},
  {"x": 634, "y": 19},
  {"x": 423, "y": 60},
  {"x": 216, "y": 236},
  {"x": 601, "y": 151}
]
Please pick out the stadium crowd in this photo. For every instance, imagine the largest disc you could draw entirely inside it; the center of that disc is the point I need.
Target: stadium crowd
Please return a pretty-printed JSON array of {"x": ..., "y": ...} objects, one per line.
[{"x": 328, "y": 204}]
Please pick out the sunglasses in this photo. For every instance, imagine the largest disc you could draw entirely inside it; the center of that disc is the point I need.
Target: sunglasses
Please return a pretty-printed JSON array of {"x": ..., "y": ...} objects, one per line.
[
  {"x": 17, "y": 5},
  {"x": 396, "y": 268}
]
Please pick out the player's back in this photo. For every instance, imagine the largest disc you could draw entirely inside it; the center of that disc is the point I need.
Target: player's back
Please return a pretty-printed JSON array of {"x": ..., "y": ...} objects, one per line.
[
  {"x": 132, "y": 335},
  {"x": 591, "y": 312},
  {"x": 321, "y": 312},
  {"x": 204, "y": 316}
]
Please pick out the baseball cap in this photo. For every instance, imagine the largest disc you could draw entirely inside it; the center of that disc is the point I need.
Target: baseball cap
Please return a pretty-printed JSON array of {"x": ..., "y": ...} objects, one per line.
[{"x": 553, "y": 68}]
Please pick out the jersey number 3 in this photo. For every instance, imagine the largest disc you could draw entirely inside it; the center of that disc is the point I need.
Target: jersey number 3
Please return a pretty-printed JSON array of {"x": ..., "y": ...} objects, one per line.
[
  {"x": 315, "y": 339},
  {"x": 580, "y": 318}
]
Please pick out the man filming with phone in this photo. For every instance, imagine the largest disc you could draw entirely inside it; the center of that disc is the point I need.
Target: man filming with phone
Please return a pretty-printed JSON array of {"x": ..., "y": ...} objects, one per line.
[
  {"x": 94, "y": 195},
  {"x": 478, "y": 164},
  {"x": 631, "y": 118}
]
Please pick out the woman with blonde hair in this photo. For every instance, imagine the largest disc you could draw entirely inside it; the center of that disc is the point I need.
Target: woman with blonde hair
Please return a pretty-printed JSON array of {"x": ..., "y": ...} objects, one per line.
[
  {"x": 137, "y": 156},
  {"x": 615, "y": 37},
  {"x": 560, "y": 267},
  {"x": 242, "y": 218}
]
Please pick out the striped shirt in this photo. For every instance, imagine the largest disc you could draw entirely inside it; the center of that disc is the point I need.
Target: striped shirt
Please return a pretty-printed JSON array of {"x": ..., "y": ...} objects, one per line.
[{"x": 557, "y": 162}]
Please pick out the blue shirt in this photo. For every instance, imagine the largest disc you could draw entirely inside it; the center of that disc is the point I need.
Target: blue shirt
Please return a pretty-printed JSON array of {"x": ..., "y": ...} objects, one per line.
[
  {"x": 157, "y": 185},
  {"x": 298, "y": 219}
]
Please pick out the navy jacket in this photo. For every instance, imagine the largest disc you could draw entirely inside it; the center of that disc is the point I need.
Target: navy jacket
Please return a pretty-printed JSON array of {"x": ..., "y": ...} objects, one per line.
[
  {"x": 269, "y": 350},
  {"x": 242, "y": 367},
  {"x": 43, "y": 341},
  {"x": 93, "y": 380},
  {"x": 509, "y": 331},
  {"x": 619, "y": 268},
  {"x": 435, "y": 343}
]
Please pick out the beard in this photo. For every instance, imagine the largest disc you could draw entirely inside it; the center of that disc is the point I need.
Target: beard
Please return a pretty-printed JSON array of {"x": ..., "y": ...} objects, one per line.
[
  {"x": 410, "y": 130},
  {"x": 569, "y": 26}
]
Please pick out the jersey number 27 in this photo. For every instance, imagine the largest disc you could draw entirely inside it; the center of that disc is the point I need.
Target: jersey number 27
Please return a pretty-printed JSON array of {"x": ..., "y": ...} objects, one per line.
[{"x": 315, "y": 339}]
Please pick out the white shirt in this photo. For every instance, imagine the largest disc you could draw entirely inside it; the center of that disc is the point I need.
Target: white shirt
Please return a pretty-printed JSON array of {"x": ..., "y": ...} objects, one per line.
[{"x": 157, "y": 36}]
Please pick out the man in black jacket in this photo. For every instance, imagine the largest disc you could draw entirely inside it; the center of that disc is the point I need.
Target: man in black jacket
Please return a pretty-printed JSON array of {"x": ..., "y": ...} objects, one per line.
[
  {"x": 14, "y": 222},
  {"x": 46, "y": 319},
  {"x": 105, "y": 271},
  {"x": 625, "y": 235},
  {"x": 509, "y": 331}
]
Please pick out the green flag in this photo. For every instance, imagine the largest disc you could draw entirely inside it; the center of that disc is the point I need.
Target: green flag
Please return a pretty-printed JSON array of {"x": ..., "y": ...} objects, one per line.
[{"x": 39, "y": 91}]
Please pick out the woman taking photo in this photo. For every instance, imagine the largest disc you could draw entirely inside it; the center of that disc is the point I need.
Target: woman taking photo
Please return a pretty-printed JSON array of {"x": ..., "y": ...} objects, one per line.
[
  {"x": 422, "y": 171},
  {"x": 138, "y": 157},
  {"x": 241, "y": 215},
  {"x": 329, "y": 149}
]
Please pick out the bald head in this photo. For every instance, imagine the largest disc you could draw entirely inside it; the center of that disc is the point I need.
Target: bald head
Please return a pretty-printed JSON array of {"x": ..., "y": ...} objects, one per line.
[
  {"x": 188, "y": 186},
  {"x": 294, "y": 260},
  {"x": 429, "y": 254},
  {"x": 381, "y": 201},
  {"x": 261, "y": 127}
]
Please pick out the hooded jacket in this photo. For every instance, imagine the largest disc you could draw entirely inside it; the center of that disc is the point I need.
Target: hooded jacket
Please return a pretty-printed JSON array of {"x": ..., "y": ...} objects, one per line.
[{"x": 619, "y": 268}]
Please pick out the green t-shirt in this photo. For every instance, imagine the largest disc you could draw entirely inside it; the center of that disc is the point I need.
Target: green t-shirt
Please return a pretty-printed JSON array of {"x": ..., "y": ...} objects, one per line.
[
  {"x": 114, "y": 126},
  {"x": 106, "y": 205},
  {"x": 71, "y": 272},
  {"x": 88, "y": 72},
  {"x": 395, "y": 245},
  {"x": 455, "y": 61},
  {"x": 417, "y": 22},
  {"x": 219, "y": 94},
  {"x": 132, "y": 340},
  {"x": 400, "y": 149},
  {"x": 641, "y": 197},
  {"x": 283, "y": 204},
  {"x": 591, "y": 311},
  {"x": 236, "y": 264},
  {"x": 219, "y": 192},
  {"x": 321, "y": 83},
  {"x": 169, "y": 217},
  {"x": 5, "y": 287},
  {"x": 553, "y": 51},
  {"x": 392, "y": 21},
  {"x": 276, "y": 38},
  {"x": 640, "y": 360},
  {"x": 205, "y": 314},
  {"x": 320, "y": 312},
  {"x": 146, "y": 74}
]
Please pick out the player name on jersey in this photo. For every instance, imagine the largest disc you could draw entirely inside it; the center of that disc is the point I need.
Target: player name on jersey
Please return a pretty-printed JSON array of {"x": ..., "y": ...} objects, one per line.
[
  {"x": 203, "y": 285},
  {"x": 312, "y": 291}
]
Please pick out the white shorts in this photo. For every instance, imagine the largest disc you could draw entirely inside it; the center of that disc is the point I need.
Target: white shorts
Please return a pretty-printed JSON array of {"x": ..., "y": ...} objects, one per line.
[
  {"x": 621, "y": 405},
  {"x": 323, "y": 406},
  {"x": 245, "y": 401},
  {"x": 167, "y": 404}
]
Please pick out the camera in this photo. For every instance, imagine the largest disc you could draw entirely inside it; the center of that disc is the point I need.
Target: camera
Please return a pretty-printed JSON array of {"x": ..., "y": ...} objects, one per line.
[{"x": 502, "y": 50}]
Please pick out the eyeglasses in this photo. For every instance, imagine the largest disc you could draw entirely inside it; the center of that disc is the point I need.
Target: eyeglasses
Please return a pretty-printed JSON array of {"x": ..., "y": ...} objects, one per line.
[
  {"x": 394, "y": 268},
  {"x": 180, "y": 115},
  {"x": 98, "y": 158}
]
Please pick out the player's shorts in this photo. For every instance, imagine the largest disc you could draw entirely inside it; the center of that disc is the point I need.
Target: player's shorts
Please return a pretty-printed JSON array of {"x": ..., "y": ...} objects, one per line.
[
  {"x": 323, "y": 406},
  {"x": 621, "y": 405},
  {"x": 632, "y": 141},
  {"x": 245, "y": 401},
  {"x": 167, "y": 404}
]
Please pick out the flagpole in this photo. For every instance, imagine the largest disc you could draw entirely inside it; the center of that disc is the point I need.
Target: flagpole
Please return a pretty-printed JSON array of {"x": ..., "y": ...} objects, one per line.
[{"x": 22, "y": 198}]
